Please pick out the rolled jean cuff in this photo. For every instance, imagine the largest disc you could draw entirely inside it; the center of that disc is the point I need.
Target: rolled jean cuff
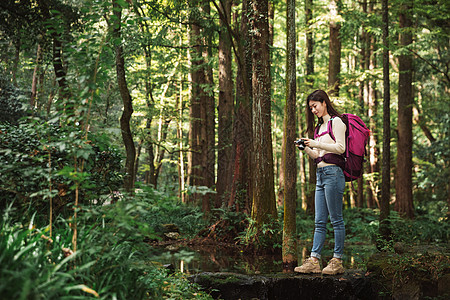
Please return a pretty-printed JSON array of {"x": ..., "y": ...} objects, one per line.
[
  {"x": 336, "y": 255},
  {"x": 316, "y": 255}
]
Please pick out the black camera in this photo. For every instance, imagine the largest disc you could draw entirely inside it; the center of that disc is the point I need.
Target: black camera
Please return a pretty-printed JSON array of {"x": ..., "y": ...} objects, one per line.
[{"x": 300, "y": 144}]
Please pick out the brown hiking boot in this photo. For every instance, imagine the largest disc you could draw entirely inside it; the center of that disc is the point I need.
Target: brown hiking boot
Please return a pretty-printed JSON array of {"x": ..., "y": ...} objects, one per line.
[
  {"x": 310, "y": 265},
  {"x": 334, "y": 267}
]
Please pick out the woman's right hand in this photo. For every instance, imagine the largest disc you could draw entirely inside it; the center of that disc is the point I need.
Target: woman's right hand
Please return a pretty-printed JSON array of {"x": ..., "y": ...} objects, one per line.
[{"x": 310, "y": 143}]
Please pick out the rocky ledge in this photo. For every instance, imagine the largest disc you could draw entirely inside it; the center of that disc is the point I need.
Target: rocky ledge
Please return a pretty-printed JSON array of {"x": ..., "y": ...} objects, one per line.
[
  {"x": 353, "y": 284},
  {"x": 421, "y": 274}
]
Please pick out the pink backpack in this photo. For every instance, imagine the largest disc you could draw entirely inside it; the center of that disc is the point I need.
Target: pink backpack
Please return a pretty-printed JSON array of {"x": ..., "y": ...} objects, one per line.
[{"x": 356, "y": 138}]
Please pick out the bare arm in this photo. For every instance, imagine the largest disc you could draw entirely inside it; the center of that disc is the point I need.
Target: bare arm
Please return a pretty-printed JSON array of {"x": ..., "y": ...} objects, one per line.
[{"x": 312, "y": 153}]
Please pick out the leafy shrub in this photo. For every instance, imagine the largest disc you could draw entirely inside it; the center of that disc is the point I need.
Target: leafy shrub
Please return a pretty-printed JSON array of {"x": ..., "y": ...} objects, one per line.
[
  {"x": 112, "y": 260},
  {"x": 264, "y": 237},
  {"x": 31, "y": 268},
  {"x": 361, "y": 226},
  {"x": 425, "y": 228},
  {"x": 358, "y": 224},
  {"x": 167, "y": 209},
  {"x": 11, "y": 109},
  {"x": 38, "y": 155}
]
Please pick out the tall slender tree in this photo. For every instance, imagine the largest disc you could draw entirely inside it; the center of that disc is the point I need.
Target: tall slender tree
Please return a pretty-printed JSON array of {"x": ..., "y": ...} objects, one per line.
[
  {"x": 363, "y": 91},
  {"x": 384, "y": 228},
  {"x": 208, "y": 111},
  {"x": 289, "y": 150},
  {"x": 36, "y": 72},
  {"x": 127, "y": 135},
  {"x": 196, "y": 122},
  {"x": 264, "y": 206},
  {"x": 225, "y": 107},
  {"x": 309, "y": 42},
  {"x": 310, "y": 82},
  {"x": 373, "y": 164},
  {"x": 404, "y": 200},
  {"x": 242, "y": 189},
  {"x": 334, "y": 60}
]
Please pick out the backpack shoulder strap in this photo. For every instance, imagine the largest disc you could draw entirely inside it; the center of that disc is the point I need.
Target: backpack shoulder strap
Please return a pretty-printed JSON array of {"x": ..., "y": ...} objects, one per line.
[
  {"x": 330, "y": 128},
  {"x": 316, "y": 131}
]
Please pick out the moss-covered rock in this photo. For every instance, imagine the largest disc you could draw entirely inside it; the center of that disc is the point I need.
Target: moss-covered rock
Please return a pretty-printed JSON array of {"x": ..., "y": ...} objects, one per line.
[{"x": 351, "y": 285}]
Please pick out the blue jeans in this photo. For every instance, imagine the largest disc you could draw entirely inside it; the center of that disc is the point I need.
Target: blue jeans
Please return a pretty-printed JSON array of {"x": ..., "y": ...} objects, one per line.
[{"x": 329, "y": 191}]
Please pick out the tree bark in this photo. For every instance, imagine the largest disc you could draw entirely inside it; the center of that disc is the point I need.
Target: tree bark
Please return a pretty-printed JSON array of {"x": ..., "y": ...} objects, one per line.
[
  {"x": 264, "y": 207},
  {"x": 36, "y": 76},
  {"x": 289, "y": 150},
  {"x": 197, "y": 77},
  {"x": 17, "y": 46},
  {"x": 58, "y": 67},
  {"x": 242, "y": 190},
  {"x": 310, "y": 191},
  {"x": 384, "y": 228},
  {"x": 127, "y": 136},
  {"x": 225, "y": 109},
  {"x": 302, "y": 171},
  {"x": 334, "y": 65},
  {"x": 280, "y": 172},
  {"x": 404, "y": 197},
  {"x": 150, "y": 103},
  {"x": 137, "y": 159},
  {"x": 209, "y": 108},
  {"x": 309, "y": 43},
  {"x": 373, "y": 165},
  {"x": 198, "y": 134},
  {"x": 363, "y": 96}
]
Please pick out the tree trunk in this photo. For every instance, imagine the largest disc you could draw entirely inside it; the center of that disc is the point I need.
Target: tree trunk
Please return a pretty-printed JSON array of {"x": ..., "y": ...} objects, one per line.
[
  {"x": 310, "y": 191},
  {"x": 264, "y": 207},
  {"x": 150, "y": 103},
  {"x": 373, "y": 165},
  {"x": 60, "y": 72},
  {"x": 384, "y": 228},
  {"x": 309, "y": 43},
  {"x": 181, "y": 172},
  {"x": 280, "y": 174},
  {"x": 137, "y": 159},
  {"x": 225, "y": 109},
  {"x": 181, "y": 164},
  {"x": 198, "y": 137},
  {"x": 209, "y": 108},
  {"x": 160, "y": 152},
  {"x": 363, "y": 96},
  {"x": 404, "y": 200},
  {"x": 127, "y": 103},
  {"x": 289, "y": 150},
  {"x": 197, "y": 77},
  {"x": 360, "y": 200},
  {"x": 303, "y": 158},
  {"x": 334, "y": 66},
  {"x": 58, "y": 67},
  {"x": 271, "y": 14},
  {"x": 242, "y": 190},
  {"x": 36, "y": 76},
  {"x": 17, "y": 45}
]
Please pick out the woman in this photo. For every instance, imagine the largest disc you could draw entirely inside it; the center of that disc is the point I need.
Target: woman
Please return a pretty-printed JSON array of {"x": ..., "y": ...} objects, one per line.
[{"x": 330, "y": 184}]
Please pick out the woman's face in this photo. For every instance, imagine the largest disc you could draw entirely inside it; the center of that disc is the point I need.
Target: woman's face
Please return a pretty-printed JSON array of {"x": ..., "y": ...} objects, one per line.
[{"x": 318, "y": 108}]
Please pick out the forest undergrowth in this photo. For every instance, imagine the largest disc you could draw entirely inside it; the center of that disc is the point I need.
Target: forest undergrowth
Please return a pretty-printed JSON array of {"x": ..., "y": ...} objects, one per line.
[
  {"x": 115, "y": 242},
  {"x": 111, "y": 262}
]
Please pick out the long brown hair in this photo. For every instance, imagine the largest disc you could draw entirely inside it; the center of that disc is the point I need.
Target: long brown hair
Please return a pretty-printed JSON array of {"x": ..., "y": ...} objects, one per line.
[{"x": 321, "y": 96}]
